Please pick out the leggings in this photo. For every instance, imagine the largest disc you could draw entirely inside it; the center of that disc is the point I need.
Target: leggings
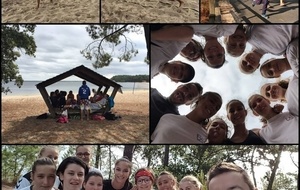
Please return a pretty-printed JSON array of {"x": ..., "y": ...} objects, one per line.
[{"x": 265, "y": 5}]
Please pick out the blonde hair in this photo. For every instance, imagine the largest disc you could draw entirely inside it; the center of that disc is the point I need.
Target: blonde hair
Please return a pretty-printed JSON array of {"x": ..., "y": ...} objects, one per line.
[
  {"x": 194, "y": 180},
  {"x": 41, "y": 152},
  {"x": 172, "y": 177}
]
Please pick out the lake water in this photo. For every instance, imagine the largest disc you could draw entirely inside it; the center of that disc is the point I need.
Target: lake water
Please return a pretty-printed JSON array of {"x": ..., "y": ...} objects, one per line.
[{"x": 28, "y": 88}]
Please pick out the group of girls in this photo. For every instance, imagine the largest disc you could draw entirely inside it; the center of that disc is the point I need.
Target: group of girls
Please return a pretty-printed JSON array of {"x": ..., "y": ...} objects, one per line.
[
  {"x": 75, "y": 174},
  {"x": 168, "y": 41}
]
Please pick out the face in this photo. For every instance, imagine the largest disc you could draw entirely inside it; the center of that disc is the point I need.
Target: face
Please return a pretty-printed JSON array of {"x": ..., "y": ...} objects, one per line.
[
  {"x": 187, "y": 185},
  {"x": 51, "y": 153},
  {"x": 208, "y": 105},
  {"x": 191, "y": 51},
  {"x": 236, "y": 112},
  {"x": 214, "y": 53},
  {"x": 94, "y": 183},
  {"x": 122, "y": 171},
  {"x": 177, "y": 71},
  {"x": 84, "y": 153},
  {"x": 165, "y": 182},
  {"x": 72, "y": 177},
  {"x": 272, "y": 91},
  {"x": 259, "y": 105},
  {"x": 273, "y": 69},
  {"x": 237, "y": 43},
  {"x": 144, "y": 183},
  {"x": 44, "y": 177},
  {"x": 217, "y": 131},
  {"x": 250, "y": 62},
  {"x": 228, "y": 181},
  {"x": 184, "y": 94}
]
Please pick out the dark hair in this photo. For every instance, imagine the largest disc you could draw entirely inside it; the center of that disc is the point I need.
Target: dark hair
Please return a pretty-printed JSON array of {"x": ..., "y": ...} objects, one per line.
[
  {"x": 42, "y": 162},
  {"x": 234, "y": 100},
  {"x": 215, "y": 66},
  {"x": 191, "y": 75},
  {"x": 225, "y": 167},
  {"x": 71, "y": 160},
  {"x": 199, "y": 51},
  {"x": 84, "y": 82},
  {"x": 199, "y": 87},
  {"x": 90, "y": 174}
]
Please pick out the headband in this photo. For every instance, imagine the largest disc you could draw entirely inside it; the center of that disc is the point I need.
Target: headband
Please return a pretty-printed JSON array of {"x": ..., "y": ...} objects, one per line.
[{"x": 143, "y": 173}]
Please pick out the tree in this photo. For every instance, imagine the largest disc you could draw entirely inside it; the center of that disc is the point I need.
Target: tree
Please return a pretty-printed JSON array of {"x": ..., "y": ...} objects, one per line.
[
  {"x": 14, "y": 39},
  {"x": 15, "y": 159},
  {"x": 106, "y": 39}
]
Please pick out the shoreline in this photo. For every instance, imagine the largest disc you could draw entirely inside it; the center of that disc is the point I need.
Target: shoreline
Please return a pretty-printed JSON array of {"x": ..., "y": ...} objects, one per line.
[{"x": 38, "y": 95}]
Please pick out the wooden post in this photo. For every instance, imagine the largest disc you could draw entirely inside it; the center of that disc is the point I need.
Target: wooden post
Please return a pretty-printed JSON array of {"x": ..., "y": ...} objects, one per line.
[
  {"x": 212, "y": 11},
  {"x": 133, "y": 87}
]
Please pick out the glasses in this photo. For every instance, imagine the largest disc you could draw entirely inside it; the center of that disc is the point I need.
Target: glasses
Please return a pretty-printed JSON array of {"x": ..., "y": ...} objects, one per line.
[
  {"x": 140, "y": 181},
  {"x": 80, "y": 154}
]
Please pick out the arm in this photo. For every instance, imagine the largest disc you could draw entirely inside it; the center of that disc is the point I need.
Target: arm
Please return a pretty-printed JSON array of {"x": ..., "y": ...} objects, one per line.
[
  {"x": 292, "y": 55},
  {"x": 173, "y": 33}
]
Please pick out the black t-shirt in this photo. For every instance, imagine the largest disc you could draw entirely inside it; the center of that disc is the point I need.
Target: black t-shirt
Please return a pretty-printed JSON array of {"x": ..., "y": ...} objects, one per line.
[
  {"x": 252, "y": 138},
  {"x": 107, "y": 185}
]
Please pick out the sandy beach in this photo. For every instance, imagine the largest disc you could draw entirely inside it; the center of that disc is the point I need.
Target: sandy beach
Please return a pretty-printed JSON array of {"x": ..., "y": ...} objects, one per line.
[
  {"x": 60, "y": 11},
  {"x": 150, "y": 11},
  {"x": 19, "y": 123}
]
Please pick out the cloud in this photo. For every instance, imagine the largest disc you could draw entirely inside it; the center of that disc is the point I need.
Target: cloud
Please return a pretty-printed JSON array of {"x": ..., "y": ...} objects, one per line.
[{"x": 58, "y": 50}]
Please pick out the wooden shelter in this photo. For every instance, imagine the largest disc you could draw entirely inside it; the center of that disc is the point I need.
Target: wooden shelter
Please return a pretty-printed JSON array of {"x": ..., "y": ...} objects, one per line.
[{"x": 81, "y": 72}]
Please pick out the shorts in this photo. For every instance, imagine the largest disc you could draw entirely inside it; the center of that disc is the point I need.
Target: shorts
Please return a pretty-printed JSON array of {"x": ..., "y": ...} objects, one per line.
[{"x": 85, "y": 104}]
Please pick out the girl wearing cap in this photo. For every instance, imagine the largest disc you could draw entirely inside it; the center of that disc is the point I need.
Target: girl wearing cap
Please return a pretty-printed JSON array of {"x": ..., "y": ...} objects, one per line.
[
  {"x": 144, "y": 179},
  {"x": 120, "y": 180}
]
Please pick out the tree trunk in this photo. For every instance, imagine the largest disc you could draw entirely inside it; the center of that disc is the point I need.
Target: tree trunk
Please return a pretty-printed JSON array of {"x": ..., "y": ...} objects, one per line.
[
  {"x": 98, "y": 157},
  {"x": 252, "y": 166},
  {"x": 128, "y": 151},
  {"x": 147, "y": 36},
  {"x": 166, "y": 157},
  {"x": 109, "y": 161},
  {"x": 276, "y": 164}
]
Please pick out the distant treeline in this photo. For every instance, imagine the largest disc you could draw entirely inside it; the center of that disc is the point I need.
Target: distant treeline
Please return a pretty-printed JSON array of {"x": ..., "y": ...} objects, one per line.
[{"x": 131, "y": 78}]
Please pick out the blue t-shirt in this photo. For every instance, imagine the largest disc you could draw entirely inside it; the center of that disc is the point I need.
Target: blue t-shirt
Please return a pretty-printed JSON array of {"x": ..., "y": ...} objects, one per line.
[{"x": 84, "y": 92}]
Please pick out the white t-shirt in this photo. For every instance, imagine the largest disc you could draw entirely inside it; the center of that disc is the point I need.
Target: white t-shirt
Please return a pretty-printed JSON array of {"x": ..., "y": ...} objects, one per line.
[
  {"x": 24, "y": 182},
  {"x": 292, "y": 55},
  {"x": 214, "y": 30},
  {"x": 178, "y": 129},
  {"x": 281, "y": 129},
  {"x": 28, "y": 188},
  {"x": 164, "y": 52},
  {"x": 292, "y": 96},
  {"x": 272, "y": 39}
]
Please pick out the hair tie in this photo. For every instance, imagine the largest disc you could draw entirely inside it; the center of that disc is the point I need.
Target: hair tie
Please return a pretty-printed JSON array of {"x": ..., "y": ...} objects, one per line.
[{"x": 143, "y": 173}]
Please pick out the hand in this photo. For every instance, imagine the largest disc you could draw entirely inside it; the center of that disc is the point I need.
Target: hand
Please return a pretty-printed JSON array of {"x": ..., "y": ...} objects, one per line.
[{"x": 278, "y": 108}]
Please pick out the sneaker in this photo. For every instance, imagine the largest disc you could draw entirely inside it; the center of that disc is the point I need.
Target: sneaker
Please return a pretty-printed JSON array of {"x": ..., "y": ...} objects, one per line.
[{"x": 265, "y": 16}]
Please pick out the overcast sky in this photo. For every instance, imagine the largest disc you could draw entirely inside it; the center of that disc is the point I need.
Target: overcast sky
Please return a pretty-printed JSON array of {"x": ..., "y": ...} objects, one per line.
[
  {"x": 58, "y": 50},
  {"x": 228, "y": 81}
]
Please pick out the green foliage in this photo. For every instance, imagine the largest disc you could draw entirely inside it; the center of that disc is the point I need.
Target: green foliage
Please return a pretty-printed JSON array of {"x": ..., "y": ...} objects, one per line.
[
  {"x": 131, "y": 78},
  {"x": 14, "y": 39},
  {"x": 17, "y": 158},
  {"x": 282, "y": 181},
  {"x": 106, "y": 39}
]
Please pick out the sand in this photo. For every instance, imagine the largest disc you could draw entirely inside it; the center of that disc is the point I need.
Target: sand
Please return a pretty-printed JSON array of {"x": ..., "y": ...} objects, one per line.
[
  {"x": 60, "y": 11},
  {"x": 150, "y": 11},
  {"x": 19, "y": 123}
]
